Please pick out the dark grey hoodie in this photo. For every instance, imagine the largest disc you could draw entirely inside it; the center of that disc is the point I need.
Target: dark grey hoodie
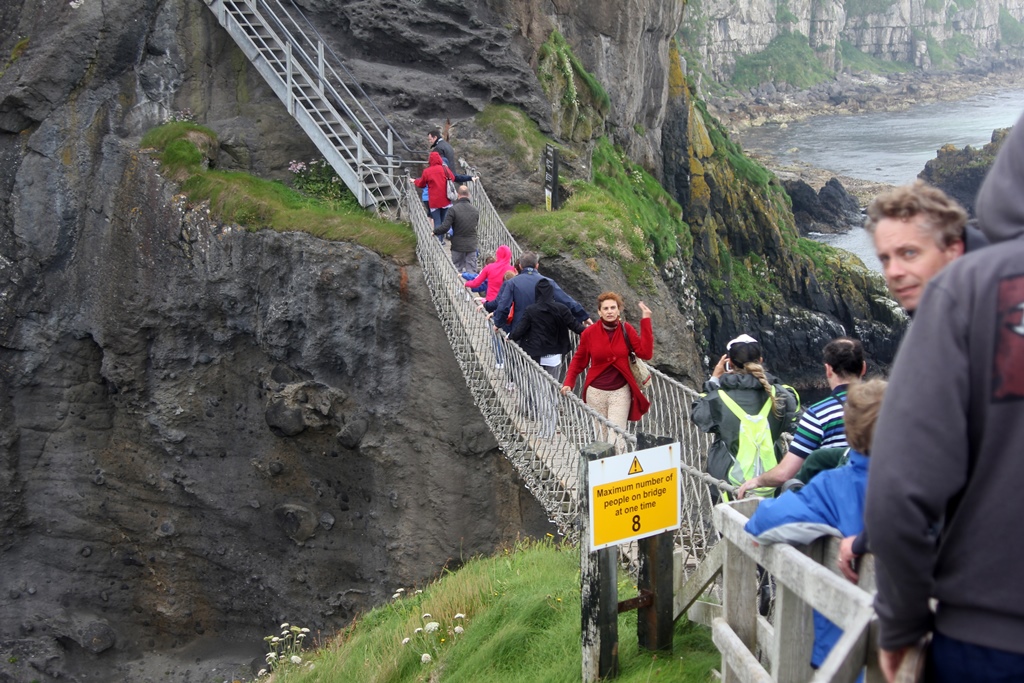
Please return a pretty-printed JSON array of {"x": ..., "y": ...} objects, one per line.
[{"x": 948, "y": 449}]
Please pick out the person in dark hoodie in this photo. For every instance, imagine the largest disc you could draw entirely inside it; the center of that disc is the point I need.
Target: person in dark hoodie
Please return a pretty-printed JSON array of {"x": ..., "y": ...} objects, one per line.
[
  {"x": 520, "y": 292},
  {"x": 462, "y": 219},
  {"x": 441, "y": 146},
  {"x": 943, "y": 503},
  {"x": 542, "y": 330}
]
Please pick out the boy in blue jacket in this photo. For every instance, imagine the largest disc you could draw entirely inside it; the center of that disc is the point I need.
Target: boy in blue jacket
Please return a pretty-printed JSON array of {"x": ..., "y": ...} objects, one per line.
[{"x": 832, "y": 504}]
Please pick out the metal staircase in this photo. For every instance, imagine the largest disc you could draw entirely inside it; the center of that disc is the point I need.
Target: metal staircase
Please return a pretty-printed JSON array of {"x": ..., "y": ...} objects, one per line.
[{"x": 329, "y": 104}]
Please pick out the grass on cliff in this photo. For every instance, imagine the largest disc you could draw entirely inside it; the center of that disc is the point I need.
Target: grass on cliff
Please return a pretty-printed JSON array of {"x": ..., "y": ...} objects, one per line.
[
  {"x": 623, "y": 213},
  {"x": 856, "y": 60},
  {"x": 787, "y": 59},
  {"x": 16, "y": 52},
  {"x": 1011, "y": 30},
  {"x": 520, "y": 624},
  {"x": 184, "y": 148},
  {"x": 519, "y": 136}
]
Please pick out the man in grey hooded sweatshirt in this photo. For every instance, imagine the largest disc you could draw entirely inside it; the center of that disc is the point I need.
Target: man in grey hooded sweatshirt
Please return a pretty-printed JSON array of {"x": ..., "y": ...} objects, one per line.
[{"x": 944, "y": 507}]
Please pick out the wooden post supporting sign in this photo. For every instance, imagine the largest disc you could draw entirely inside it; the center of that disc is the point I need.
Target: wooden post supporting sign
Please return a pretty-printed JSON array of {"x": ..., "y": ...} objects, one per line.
[
  {"x": 654, "y": 621},
  {"x": 598, "y": 587}
]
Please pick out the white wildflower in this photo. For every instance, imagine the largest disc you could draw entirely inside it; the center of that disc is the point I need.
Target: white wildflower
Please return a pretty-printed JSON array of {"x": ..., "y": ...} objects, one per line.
[
  {"x": 427, "y": 615},
  {"x": 431, "y": 627},
  {"x": 419, "y": 630},
  {"x": 459, "y": 629},
  {"x": 275, "y": 639},
  {"x": 460, "y": 615},
  {"x": 396, "y": 596},
  {"x": 418, "y": 592},
  {"x": 271, "y": 656},
  {"x": 399, "y": 590},
  {"x": 284, "y": 625},
  {"x": 425, "y": 658},
  {"x": 405, "y": 641},
  {"x": 305, "y": 630},
  {"x": 261, "y": 673},
  {"x": 296, "y": 659}
]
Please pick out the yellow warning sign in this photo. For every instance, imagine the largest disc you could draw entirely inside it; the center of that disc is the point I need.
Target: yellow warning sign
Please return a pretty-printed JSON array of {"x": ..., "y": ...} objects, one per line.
[
  {"x": 634, "y": 508},
  {"x": 633, "y": 495}
]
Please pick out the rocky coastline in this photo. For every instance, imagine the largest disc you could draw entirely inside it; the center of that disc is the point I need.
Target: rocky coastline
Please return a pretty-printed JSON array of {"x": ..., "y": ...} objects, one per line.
[
  {"x": 856, "y": 92},
  {"x": 852, "y": 93}
]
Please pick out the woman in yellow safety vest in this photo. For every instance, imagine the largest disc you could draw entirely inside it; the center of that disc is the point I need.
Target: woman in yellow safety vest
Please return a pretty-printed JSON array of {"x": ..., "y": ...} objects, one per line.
[{"x": 747, "y": 409}]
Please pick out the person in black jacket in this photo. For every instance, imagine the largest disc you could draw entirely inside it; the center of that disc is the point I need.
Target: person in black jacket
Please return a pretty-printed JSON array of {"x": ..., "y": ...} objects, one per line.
[
  {"x": 543, "y": 333},
  {"x": 462, "y": 218},
  {"x": 441, "y": 146},
  {"x": 543, "y": 329},
  {"x": 519, "y": 292}
]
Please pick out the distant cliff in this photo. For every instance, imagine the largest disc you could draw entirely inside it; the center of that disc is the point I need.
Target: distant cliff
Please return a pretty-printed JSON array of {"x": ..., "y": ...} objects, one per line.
[{"x": 923, "y": 33}]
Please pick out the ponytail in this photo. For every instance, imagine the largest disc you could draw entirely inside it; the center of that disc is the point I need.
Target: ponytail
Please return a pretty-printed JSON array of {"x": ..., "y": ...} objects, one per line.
[{"x": 778, "y": 400}]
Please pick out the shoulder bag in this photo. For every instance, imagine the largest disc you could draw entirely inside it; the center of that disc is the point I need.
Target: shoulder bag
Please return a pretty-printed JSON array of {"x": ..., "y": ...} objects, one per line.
[
  {"x": 641, "y": 373},
  {"x": 453, "y": 193}
]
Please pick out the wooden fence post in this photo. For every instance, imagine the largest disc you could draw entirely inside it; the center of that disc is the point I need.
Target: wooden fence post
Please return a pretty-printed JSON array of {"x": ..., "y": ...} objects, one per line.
[
  {"x": 739, "y": 574},
  {"x": 599, "y": 590}
]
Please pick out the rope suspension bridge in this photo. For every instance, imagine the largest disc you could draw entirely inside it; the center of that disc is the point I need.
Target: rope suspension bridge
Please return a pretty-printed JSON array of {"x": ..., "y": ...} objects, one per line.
[{"x": 540, "y": 431}]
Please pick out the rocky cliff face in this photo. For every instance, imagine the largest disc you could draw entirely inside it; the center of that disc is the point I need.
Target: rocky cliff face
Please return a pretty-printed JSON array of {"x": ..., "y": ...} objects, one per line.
[
  {"x": 203, "y": 431},
  {"x": 900, "y": 30},
  {"x": 753, "y": 272}
]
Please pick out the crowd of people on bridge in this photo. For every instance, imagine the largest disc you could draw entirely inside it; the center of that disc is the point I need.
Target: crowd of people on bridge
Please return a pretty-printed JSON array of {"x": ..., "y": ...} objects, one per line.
[
  {"x": 920, "y": 471},
  {"x": 935, "y": 501}
]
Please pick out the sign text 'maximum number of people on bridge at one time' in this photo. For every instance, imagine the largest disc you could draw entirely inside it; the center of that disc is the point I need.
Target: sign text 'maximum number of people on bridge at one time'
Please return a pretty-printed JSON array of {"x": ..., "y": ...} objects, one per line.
[{"x": 633, "y": 495}]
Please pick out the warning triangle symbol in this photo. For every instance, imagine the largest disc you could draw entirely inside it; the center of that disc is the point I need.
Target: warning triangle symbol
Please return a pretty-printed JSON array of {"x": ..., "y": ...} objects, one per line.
[{"x": 635, "y": 467}]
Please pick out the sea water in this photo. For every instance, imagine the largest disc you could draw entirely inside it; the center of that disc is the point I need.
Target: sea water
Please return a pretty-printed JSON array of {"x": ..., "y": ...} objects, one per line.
[{"x": 888, "y": 147}]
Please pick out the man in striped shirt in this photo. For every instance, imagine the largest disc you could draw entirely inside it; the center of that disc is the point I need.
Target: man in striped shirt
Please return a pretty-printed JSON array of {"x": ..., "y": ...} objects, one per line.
[{"x": 821, "y": 425}]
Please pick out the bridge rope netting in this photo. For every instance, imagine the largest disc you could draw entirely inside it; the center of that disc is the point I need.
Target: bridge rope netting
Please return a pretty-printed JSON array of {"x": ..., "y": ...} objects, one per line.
[{"x": 539, "y": 430}]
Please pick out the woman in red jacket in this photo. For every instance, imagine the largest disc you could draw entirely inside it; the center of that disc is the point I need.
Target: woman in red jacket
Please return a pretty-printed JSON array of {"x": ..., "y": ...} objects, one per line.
[
  {"x": 435, "y": 178},
  {"x": 609, "y": 387}
]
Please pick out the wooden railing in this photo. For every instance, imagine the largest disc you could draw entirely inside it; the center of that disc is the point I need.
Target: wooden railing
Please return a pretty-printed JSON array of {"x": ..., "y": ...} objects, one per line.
[{"x": 755, "y": 648}]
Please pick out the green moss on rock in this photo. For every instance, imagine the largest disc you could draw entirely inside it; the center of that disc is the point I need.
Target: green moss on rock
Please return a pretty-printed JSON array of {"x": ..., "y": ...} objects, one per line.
[{"x": 579, "y": 102}]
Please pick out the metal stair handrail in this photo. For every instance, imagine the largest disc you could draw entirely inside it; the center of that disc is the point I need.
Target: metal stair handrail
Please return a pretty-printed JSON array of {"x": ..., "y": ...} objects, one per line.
[
  {"x": 319, "y": 45},
  {"x": 315, "y": 95}
]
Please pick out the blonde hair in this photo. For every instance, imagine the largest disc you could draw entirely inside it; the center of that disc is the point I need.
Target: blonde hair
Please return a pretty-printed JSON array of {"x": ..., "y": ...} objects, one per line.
[
  {"x": 746, "y": 358},
  {"x": 863, "y": 403},
  {"x": 940, "y": 216},
  {"x": 509, "y": 274},
  {"x": 779, "y": 400}
]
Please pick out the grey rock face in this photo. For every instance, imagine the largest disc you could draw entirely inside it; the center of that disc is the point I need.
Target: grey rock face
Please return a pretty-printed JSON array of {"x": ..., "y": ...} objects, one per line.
[
  {"x": 898, "y": 31},
  {"x": 203, "y": 431},
  {"x": 830, "y": 209}
]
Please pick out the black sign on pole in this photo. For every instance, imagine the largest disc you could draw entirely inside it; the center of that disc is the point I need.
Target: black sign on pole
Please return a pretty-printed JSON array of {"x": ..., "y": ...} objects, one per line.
[{"x": 551, "y": 201}]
